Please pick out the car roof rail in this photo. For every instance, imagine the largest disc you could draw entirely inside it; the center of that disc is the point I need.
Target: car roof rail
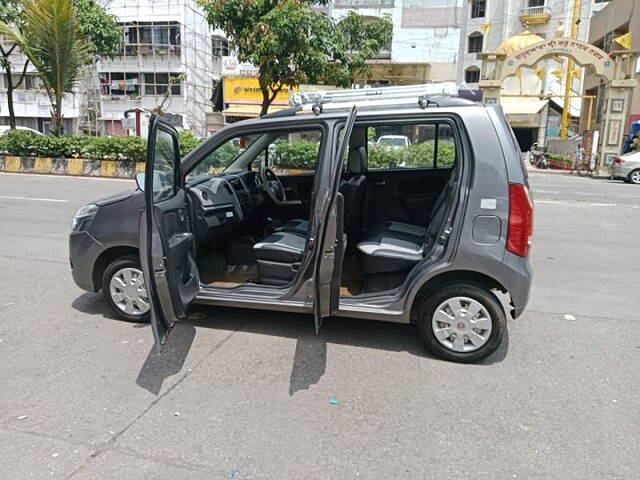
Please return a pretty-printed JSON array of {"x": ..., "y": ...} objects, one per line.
[{"x": 414, "y": 95}]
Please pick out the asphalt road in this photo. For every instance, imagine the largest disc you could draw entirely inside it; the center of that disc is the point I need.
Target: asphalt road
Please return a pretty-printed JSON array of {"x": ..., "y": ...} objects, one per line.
[{"x": 244, "y": 394}]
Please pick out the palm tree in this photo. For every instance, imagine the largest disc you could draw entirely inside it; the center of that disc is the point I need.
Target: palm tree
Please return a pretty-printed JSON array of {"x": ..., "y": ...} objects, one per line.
[{"x": 50, "y": 38}]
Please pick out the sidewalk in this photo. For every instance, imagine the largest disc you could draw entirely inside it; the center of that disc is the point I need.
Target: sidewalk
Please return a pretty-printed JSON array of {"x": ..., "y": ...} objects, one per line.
[{"x": 551, "y": 171}]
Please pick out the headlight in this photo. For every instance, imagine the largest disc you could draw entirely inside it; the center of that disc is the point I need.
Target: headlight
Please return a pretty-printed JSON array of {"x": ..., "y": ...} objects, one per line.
[{"x": 83, "y": 217}]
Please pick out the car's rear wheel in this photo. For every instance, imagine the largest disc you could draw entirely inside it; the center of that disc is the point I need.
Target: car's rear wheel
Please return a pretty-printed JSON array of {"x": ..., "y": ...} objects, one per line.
[
  {"x": 124, "y": 289},
  {"x": 462, "y": 322},
  {"x": 634, "y": 177}
]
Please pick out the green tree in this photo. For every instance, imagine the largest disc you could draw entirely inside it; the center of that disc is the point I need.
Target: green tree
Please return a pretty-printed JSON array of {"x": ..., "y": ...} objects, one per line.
[
  {"x": 98, "y": 27},
  {"x": 10, "y": 13},
  {"x": 51, "y": 39},
  {"x": 287, "y": 40},
  {"x": 356, "y": 40}
]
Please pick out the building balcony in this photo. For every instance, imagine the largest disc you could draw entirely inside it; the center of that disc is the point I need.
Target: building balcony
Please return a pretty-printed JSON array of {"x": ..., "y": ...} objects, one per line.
[{"x": 535, "y": 15}]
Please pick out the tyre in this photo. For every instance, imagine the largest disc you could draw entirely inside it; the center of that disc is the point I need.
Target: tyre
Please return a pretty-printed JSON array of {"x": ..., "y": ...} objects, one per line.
[
  {"x": 124, "y": 289},
  {"x": 462, "y": 322},
  {"x": 634, "y": 177}
]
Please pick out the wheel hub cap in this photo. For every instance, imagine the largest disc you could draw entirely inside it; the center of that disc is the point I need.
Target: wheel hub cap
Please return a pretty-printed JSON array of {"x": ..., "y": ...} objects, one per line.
[
  {"x": 461, "y": 324},
  {"x": 128, "y": 291}
]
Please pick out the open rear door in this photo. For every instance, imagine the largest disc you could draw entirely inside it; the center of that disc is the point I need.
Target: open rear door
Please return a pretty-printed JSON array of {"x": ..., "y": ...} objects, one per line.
[
  {"x": 167, "y": 247},
  {"x": 328, "y": 266}
]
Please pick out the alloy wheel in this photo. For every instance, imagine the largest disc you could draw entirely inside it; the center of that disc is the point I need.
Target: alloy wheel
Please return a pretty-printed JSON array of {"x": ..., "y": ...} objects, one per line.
[{"x": 462, "y": 324}]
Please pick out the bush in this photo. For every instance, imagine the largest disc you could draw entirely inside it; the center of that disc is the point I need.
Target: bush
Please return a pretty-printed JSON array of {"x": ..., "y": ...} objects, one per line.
[
  {"x": 558, "y": 157},
  {"x": 188, "y": 141},
  {"x": 298, "y": 154},
  {"x": 418, "y": 155},
  {"x": 23, "y": 143},
  {"x": 116, "y": 148}
]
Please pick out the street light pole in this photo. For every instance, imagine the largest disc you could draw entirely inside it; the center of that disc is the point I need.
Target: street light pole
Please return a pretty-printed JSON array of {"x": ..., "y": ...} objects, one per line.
[{"x": 570, "y": 66}]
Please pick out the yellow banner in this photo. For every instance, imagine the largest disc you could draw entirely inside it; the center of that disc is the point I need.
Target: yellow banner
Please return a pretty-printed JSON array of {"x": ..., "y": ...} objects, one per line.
[
  {"x": 247, "y": 90},
  {"x": 624, "y": 40}
]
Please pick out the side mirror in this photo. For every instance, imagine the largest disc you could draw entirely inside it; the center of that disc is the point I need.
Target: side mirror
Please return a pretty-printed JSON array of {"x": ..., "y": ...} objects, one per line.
[{"x": 140, "y": 181}]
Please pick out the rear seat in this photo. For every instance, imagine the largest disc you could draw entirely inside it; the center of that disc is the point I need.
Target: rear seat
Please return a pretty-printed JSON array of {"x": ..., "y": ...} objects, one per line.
[{"x": 395, "y": 246}]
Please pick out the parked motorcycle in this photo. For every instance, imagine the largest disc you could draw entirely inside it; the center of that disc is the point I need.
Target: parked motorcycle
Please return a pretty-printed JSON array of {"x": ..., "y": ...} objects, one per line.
[{"x": 539, "y": 160}]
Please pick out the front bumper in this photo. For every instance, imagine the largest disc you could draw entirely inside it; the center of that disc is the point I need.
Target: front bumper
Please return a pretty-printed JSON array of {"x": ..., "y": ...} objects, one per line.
[{"x": 83, "y": 253}]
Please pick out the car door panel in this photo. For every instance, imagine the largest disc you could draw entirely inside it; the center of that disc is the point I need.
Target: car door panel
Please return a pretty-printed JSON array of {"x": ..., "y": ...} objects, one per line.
[{"x": 167, "y": 244}]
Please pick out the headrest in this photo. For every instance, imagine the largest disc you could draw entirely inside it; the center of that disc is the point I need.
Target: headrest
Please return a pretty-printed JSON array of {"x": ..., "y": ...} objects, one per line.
[{"x": 357, "y": 162}]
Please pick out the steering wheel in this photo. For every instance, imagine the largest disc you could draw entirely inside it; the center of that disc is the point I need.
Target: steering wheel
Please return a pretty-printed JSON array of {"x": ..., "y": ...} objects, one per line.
[{"x": 272, "y": 185}]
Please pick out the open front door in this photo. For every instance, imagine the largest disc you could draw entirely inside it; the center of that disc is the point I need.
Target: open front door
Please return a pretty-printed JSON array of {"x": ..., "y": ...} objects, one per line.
[
  {"x": 167, "y": 247},
  {"x": 333, "y": 242}
]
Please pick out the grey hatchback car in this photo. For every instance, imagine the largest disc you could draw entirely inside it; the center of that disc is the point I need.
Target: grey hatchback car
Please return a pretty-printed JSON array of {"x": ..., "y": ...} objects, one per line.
[{"x": 302, "y": 211}]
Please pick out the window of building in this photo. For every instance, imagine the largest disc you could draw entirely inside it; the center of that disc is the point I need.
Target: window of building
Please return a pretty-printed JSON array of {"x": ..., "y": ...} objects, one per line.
[
  {"x": 159, "y": 83},
  {"x": 120, "y": 84},
  {"x": 478, "y": 8},
  {"x": 536, "y": 3},
  {"x": 219, "y": 46},
  {"x": 472, "y": 75},
  {"x": 424, "y": 145},
  {"x": 475, "y": 43},
  {"x": 149, "y": 38}
]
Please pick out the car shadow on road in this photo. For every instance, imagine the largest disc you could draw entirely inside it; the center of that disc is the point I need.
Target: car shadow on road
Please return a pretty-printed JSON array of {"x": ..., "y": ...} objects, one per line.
[
  {"x": 158, "y": 366},
  {"x": 310, "y": 357}
]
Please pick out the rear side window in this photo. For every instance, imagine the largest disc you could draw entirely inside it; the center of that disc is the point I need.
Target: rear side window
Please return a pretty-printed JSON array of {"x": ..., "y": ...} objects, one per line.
[{"x": 415, "y": 145}]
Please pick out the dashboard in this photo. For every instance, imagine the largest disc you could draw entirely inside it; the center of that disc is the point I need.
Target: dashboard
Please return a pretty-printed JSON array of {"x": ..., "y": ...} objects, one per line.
[{"x": 224, "y": 200}]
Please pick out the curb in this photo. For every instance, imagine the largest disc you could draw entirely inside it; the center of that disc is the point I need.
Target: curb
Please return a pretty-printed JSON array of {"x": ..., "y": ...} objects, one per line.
[{"x": 78, "y": 167}]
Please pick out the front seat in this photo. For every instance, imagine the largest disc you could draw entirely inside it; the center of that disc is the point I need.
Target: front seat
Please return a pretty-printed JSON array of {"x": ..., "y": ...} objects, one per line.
[
  {"x": 278, "y": 257},
  {"x": 353, "y": 192}
]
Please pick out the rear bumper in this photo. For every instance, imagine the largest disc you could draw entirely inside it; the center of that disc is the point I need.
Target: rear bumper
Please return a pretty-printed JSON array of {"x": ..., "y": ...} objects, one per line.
[
  {"x": 618, "y": 171},
  {"x": 518, "y": 276},
  {"x": 83, "y": 252}
]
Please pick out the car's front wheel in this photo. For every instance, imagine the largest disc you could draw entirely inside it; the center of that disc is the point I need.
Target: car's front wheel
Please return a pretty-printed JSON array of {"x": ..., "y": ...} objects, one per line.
[
  {"x": 124, "y": 289},
  {"x": 462, "y": 322}
]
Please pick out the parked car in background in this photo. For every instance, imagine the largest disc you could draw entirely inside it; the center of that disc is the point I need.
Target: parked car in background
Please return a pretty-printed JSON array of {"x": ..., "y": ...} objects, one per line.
[
  {"x": 627, "y": 167},
  {"x": 393, "y": 141},
  {"x": 4, "y": 129}
]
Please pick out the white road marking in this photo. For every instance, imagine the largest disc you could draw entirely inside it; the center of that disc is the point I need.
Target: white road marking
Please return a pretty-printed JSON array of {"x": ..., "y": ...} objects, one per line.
[
  {"x": 574, "y": 203},
  {"x": 9, "y": 197}
]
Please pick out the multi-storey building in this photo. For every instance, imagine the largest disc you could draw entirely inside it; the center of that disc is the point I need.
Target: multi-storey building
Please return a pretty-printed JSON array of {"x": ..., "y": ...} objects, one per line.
[
  {"x": 31, "y": 104},
  {"x": 425, "y": 40},
  {"x": 486, "y": 24},
  {"x": 168, "y": 62},
  {"x": 617, "y": 19}
]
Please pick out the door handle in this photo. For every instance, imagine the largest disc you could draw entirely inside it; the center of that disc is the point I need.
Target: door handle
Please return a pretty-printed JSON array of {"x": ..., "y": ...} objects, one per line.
[{"x": 380, "y": 183}]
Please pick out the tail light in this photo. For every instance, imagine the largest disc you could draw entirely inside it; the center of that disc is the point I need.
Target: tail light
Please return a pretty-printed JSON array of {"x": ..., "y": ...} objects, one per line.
[
  {"x": 618, "y": 161},
  {"x": 520, "y": 220}
]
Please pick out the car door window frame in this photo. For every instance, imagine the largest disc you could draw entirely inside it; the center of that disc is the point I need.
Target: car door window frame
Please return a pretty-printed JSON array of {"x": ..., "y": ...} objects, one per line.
[{"x": 205, "y": 149}]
